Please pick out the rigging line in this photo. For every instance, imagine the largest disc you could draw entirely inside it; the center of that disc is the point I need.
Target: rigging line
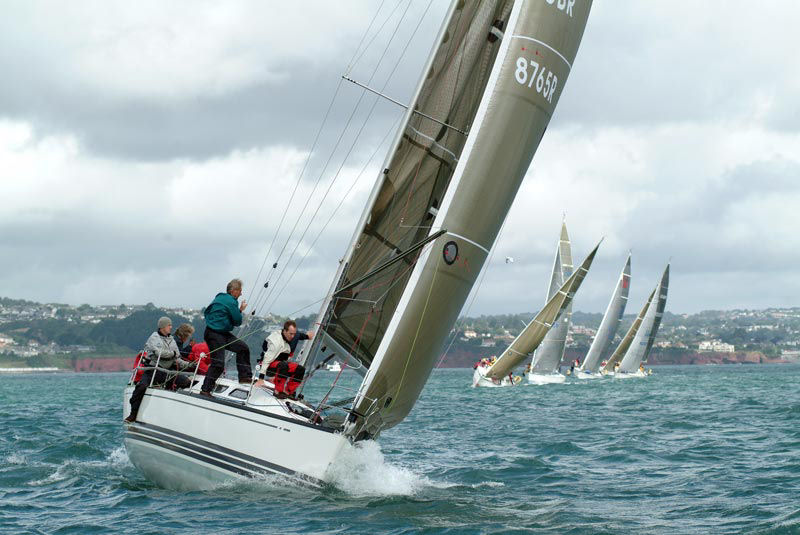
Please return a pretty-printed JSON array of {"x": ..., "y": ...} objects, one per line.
[
  {"x": 330, "y": 157},
  {"x": 258, "y": 301},
  {"x": 392, "y": 261},
  {"x": 475, "y": 294},
  {"x": 355, "y": 140},
  {"x": 277, "y": 231},
  {"x": 405, "y": 106},
  {"x": 419, "y": 326},
  {"x": 355, "y": 59},
  {"x": 386, "y": 83},
  {"x": 341, "y": 202},
  {"x": 294, "y": 191},
  {"x": 352, "y": 346},
  {"x": 449, "y": 54}
]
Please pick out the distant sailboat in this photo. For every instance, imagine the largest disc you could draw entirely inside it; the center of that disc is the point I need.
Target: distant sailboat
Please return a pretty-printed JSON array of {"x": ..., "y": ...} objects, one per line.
[
  {"x": 532, "y": 335},
  {"x": 643, "y": 341},
  {"x": 546, "y": 360},
  {"x": 598, "y": 351},
  {"x": 622, "y": 348}
]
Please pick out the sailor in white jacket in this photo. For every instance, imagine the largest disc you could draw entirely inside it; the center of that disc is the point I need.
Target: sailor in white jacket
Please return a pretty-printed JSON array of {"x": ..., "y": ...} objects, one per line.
[{"x": 280, "y": 346}]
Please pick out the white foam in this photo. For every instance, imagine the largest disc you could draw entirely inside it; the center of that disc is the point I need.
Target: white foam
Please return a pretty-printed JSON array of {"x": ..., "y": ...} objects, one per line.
[
  {"x": 362, "y": 470},
  {"x": 490, "y": 484},
  {"x": 59, "y": 475},
  {"x": 16, "y": 458},
  {"x": 119, "y": 457}
]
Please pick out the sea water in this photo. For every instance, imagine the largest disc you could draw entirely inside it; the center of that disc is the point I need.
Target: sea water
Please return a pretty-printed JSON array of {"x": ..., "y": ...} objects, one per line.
[{"x": 690, "y": 449}]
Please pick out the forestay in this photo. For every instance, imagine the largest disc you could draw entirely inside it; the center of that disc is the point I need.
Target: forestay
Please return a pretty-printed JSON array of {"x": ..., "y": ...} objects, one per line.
[
  {"x": 551, "y": 352},
  {"x": 533, "y": 334},
  {"x": 643, "y": 341},
  {"x": 598, "y": 351},
  {"x": 496, "y": 74}
]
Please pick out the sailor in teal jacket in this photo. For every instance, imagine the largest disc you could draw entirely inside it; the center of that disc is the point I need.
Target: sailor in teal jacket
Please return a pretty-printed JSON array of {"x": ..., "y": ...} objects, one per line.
[{"x": 222, "y": 315}]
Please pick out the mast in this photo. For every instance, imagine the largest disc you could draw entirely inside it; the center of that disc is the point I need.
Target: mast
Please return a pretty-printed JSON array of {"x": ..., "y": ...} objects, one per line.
[
  {"x": 551, "y": 352},
  {"x": 610, "y": 322}
]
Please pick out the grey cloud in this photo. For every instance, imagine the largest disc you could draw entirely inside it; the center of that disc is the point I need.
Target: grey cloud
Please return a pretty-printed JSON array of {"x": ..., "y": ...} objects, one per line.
[{"x": 287, "y": 109}]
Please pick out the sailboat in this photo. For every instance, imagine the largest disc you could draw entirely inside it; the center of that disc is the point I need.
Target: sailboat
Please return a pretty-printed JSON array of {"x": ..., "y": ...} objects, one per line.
[
  {"x": 616, "y": 357},
  {"x": 642, "y": 343},
  {"x": 476, "y": 118},
  {"x": 546, "y": 360},
  {"x": 598, "y": 351},
  {"x": 498, "y": 373},
  {"x": 335, "y": 367}
]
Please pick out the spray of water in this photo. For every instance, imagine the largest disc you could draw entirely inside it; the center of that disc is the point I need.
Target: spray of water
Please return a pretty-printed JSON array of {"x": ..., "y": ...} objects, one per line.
[{"x": 362, "y": 470}]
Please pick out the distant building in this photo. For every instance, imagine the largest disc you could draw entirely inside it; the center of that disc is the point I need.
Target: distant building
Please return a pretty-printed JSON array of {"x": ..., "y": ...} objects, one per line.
[
  {"x": 791, "y": 354},
  {"x": 716, "y": 346},
  {"x": 470, "y": 334}
]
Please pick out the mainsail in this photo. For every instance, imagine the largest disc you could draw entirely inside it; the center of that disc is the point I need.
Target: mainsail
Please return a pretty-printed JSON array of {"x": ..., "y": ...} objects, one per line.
[
  {"x": 643, "y": 341},
  {"x": 549, "y": 355},
  {"x": 494, "y": 80},
  {"x": 610, "y": 323},
  {"x": 533, "y": 334},
  {"x": 623, "y": 346}
]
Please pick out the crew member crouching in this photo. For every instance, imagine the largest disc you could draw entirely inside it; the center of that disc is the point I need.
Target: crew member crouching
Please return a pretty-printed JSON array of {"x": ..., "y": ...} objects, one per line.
[{"x": 277, "y": 348}]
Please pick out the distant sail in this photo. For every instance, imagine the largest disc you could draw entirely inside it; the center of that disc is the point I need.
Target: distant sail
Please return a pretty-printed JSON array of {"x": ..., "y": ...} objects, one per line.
[
  {"x": 643, "y": 341},
  {"x": 494, "y": 79},
  {"x": 623, "y": 346},
  {"x": 601, "y": 344},
  {"x": 535, "y": 331},
  {"x": 551, "y": 352}
]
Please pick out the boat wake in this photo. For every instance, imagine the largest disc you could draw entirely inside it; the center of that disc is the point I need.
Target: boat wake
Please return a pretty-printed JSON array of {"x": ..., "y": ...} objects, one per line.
[{"x": 362, "y": 470}]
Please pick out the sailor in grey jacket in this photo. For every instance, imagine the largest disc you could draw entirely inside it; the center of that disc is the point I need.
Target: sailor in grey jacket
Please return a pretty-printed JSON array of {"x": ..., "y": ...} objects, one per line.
[{"x": 162, "y": 348}]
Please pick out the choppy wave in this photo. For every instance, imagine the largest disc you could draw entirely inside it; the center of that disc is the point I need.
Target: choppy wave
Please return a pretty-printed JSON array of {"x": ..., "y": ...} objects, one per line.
[{"x": 688, "y": 450}]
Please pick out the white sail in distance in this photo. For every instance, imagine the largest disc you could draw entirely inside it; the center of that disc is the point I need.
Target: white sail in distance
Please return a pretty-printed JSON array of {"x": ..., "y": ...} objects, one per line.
[
  {"x": 494, "y": 79},
  {"x": 623, "y": 346},
  {"x": 643, "y": 341},
  {"x": 533, "y": 334},
  {"x": 601, "y": 344},
  {"x": 550, "y": 353}
]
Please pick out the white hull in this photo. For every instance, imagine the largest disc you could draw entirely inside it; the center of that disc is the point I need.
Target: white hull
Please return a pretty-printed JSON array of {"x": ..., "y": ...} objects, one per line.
[
  {"x": 580, "y": 374},
  {"x": 479, "y": 379},
  {"x": 550, "y": 378},
  {"x": 626, "y": 375},
  {"x": 184, "y": 441}
]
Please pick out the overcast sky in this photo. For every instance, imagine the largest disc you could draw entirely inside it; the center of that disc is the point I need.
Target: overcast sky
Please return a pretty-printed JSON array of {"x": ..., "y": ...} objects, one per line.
[{"x": 147, "y": 150}]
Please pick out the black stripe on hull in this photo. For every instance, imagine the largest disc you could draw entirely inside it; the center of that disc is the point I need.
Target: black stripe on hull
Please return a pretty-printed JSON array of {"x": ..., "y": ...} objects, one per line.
[
  {"x": 149, "y": 428},
  {"x": 210, "y": 453},
  {"x": 234, "y": 405}
]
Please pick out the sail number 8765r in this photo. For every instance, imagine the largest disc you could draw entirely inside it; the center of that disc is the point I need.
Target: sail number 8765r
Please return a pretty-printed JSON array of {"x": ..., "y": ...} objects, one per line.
[{"x": 545, "y": 82}]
